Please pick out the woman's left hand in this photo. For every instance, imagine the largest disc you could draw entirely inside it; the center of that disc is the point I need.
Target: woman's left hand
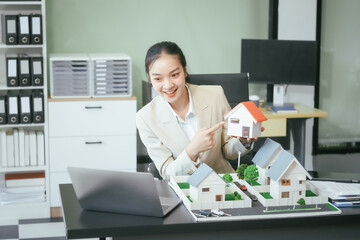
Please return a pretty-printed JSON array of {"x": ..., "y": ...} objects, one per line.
[{"x": 249, "y": 140}]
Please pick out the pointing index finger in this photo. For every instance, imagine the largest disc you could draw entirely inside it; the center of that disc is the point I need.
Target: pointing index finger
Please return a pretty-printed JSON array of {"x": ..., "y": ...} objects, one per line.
[{"x": 216, "y": 127}]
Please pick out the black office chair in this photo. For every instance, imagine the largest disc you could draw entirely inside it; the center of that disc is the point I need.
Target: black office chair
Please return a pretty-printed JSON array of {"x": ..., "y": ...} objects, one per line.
[{"x": 235, "y": 85}]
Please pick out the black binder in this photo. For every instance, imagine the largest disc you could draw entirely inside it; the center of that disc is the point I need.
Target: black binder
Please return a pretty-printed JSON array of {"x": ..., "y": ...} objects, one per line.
[
  {"x": 24, "y": 71},
  {"x": 23, "y": 29},
  {"x": 12, "y": 100},
  {"x": 37, "y": 106},
  {"x": 3, "y": 107},
  {"x": 11, "y": 35},
  {"x": 25, "y": 106},
  {"x": 12, "y": 72},
  {"x": 36, "y": 29},
  {"x": 36, "y": 66}
]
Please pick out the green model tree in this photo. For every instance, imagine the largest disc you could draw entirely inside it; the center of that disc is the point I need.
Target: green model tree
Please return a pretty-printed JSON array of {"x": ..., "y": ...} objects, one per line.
[
  {"x": 236, "y": 195},
  {"x": 228, "y": 178},
  {"x": 301, "y": 201},
  {"x": 240, "y": 171},
  {"x": 251, "y": 174}
]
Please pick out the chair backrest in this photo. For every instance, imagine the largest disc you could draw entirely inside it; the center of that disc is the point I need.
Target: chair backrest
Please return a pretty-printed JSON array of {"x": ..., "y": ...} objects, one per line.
[{"x": 235, "y": 85}]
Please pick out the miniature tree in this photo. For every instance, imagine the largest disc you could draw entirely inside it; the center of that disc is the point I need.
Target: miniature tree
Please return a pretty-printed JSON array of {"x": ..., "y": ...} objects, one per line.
[
  {"x": 241, "y": 169},
  {"x": 301, "y": 201},
  {"x": 228, "y": 178},
  {"x": 236, "y": 195},
  {"x": 251, "y": 174}
]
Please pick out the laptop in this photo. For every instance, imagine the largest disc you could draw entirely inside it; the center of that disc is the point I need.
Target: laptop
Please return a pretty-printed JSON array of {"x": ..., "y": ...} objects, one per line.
[{"x": 120, "y": 192}]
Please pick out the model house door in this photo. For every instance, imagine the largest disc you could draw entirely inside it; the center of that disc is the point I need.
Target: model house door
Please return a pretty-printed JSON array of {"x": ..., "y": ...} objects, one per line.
[{"x": 246, "y": 131}]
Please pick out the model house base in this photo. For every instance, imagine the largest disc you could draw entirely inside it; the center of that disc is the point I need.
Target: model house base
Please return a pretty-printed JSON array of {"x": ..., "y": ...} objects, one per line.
[{"x": 246, "y": 208}]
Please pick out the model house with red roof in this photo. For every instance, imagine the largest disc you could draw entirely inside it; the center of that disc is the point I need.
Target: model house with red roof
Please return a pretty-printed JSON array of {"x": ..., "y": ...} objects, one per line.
[{"x": 245, "y": 120}]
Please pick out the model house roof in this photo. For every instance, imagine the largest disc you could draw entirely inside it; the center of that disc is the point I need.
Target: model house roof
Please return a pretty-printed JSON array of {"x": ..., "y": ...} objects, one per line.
[
  {"x": 281, "y": 164},
  {"x": 254, "y": 111},
  {"x": 200, "y": 174},
  {"x": 266, "y": 152}
]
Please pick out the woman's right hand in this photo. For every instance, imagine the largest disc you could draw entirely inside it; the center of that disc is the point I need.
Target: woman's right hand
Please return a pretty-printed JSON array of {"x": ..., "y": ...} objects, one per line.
[{"x": 203, "y": 140}]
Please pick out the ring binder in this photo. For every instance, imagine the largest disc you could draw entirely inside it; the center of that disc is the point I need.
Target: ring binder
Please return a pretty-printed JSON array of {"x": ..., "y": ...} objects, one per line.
[
  {"x": 25, "y": 106},
  {"x": 36, "y": 71},
  {"x": 23, "y": 31},
  {"x": 11, "y": 35},
  {"x": 3, "y": 107},
  {"x": 38, "y": 106},
  {"x": 13, "y": 107},
  {"x": 24, "y": 71},
  {"x": 11, "y": 72},
  {"x": 36, "y": 29}
]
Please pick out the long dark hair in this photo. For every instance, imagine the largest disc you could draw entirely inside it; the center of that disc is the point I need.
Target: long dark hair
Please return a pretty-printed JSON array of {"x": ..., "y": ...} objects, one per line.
[{"x": 157, "y": 49}]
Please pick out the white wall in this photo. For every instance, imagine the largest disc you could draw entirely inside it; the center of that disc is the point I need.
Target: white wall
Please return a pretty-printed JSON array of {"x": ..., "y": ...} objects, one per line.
[{"x": 297, "y": 21}]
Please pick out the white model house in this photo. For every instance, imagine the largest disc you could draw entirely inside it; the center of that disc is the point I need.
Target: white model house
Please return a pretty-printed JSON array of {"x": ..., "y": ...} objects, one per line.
[
  {"x": 206, "y": 185},
  {"x": 264, "y": 158},
  {"x": 244, "y": 120},
  {"x": 282, "y": 171},
  {"x": 287, "y": 177}
]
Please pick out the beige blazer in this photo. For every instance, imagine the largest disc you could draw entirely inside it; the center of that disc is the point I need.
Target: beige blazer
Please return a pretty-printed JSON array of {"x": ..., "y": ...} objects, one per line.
[{"x": 165, "y": 140}]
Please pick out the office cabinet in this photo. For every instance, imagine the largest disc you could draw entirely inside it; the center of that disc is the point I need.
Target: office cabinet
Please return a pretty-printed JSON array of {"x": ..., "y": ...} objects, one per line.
[
  {"x": 95, "y": 133},
  {"x": 18, "y": 135}
]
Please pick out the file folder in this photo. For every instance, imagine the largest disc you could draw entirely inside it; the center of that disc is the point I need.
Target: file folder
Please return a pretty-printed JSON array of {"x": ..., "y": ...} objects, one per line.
[
  {"x": 36, "y": 64},
  {"x": 33, "y": 148},
  {"x": 22, "y": 147},
  {"x": 11, "y": 72},
  {"x": 3, "y": 149},
  {"x": 40, "y": 143},
  {"x": 24, "y": 71},
  {"x": 10, "y": 149},
  {"x": 25, "y": 106},
  {"x": 36, "y": 29},
  {"x": 24, "y": 29},
  {"x": 3, "y": 107},
  {"x": 27, "y": 148},
  {"x": 11, "y": 35},
  {"x": 37, "y": 106},
  {"x": 16, "y": 147},
  {"x": 12, "y": 107}
]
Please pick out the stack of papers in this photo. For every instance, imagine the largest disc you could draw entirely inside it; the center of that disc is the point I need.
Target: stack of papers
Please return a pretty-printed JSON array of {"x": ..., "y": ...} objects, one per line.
[
  {"x": 284, "y": 109},
  {"x": 340, "y": 194},
  {"x": 23, "y": 187},
  {"x": 23, "y": 194}
]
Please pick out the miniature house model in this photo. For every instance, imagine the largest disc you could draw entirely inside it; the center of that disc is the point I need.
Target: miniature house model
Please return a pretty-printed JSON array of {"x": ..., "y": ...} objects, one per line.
[
  {"x": 282, "y": 171},
  {"x": 244, "y": 120},
  {"x": 206, "y": 185}
]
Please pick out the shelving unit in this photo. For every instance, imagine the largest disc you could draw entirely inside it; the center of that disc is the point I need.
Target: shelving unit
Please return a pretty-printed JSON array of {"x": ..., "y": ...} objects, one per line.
[{"x": 34, "y": 209}]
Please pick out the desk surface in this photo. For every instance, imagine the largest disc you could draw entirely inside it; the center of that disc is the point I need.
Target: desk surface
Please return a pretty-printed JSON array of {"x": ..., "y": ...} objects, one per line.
[
  {"x": 303, "y": 112},
  {"x": 180, "y": 225}
]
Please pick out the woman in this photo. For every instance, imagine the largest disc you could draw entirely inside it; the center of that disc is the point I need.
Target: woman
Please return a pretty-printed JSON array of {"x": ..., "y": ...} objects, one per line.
[{"x": 183, "y": 126}]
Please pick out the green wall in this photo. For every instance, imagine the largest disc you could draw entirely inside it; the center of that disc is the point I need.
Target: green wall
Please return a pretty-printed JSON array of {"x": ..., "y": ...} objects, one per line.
[{"x": 208, "y": 31}]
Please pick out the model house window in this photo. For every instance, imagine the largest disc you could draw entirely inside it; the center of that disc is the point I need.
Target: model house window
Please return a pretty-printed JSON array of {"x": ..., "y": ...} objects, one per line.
[
  {"x": 285, "y": 195},
  {"x": 246, "y": 131},
  {"x": 300, "y": 192},
  {"x": 205, "y": 189},
  {"x": 219, "y": 198},
  {"x": 285, "y": 182},
  {"x": 234, "y": 120},
  {"x": 300, "y": 182}
]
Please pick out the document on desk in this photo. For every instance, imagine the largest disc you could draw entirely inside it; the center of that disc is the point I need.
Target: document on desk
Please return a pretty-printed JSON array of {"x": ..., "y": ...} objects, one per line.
[{"x": 340, "y": 194}]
